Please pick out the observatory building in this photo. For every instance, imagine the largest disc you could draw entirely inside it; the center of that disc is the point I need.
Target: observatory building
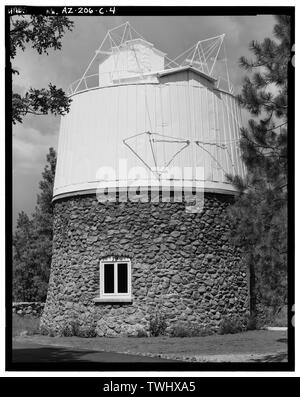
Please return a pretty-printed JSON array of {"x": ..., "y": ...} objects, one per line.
[{"x": 140, "y": 194}]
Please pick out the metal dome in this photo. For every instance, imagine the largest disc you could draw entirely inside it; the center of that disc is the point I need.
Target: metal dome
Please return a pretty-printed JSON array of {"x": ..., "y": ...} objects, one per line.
[{"x": 143, "y": 119}]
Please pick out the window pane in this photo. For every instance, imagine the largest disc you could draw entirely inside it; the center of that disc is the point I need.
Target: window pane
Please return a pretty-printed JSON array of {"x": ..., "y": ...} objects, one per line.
[
  {"x": 108, "y": 278},
  {"x": 122, "y": 278}
]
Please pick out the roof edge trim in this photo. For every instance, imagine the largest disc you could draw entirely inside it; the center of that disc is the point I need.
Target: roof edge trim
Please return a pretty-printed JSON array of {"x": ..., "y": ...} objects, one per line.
[{"x": 184, "y": 68}]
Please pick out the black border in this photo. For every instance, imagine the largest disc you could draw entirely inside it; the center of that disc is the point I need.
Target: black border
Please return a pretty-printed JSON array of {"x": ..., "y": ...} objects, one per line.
[
  {"x": 180, "y": 366},
  {"x": 94, "y": 384}
]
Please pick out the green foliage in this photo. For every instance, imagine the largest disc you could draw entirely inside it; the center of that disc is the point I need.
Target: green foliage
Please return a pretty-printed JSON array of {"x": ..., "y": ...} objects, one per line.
[
  {"x": 272, "y": 318},
  {"x": 87, "y": 332},
  {"x": 27, "y": 324},
  {"x": 40, "y": 102},
  {"x": 42, "y": 33},
  {"x": 140, "y": 333},
  {"x": 74, "y": 329},
  {"x": 280, "y": 318},
  {"x": 259, "y": 215},
  {"x": 252, "y": 323},
  {"x": 157, "y": 324},
  {"x": 183, "y": 330},
  {"x": 70, "y": 329},
  {"x": 231, "y": 325},
  {"x": 44, "y": 331},
  {"x": 32, "y": 242},
  {"x": 44, "y": 209}
]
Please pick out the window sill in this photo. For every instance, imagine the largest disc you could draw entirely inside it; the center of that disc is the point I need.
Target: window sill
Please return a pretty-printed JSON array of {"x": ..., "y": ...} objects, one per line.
[{"x": 113, "y": 300}]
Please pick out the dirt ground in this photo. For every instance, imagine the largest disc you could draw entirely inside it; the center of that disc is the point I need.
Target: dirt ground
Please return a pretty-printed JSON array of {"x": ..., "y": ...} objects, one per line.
[{"x": 262, "y": 346}]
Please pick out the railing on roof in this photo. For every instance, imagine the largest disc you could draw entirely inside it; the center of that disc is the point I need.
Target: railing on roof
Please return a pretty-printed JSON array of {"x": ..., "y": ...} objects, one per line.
[
  {"x": 114, "y": 78},
  {"x": 105, "y": 79}
]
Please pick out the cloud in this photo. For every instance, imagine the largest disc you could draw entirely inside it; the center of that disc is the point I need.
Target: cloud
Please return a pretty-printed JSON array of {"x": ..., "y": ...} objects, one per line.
[
  {"x": 30, "y": 149},
  {"x": 45, "y": 125}
]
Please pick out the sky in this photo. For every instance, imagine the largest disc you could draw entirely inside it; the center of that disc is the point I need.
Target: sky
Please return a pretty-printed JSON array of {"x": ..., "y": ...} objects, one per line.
[{"x": 173, "y": 35}]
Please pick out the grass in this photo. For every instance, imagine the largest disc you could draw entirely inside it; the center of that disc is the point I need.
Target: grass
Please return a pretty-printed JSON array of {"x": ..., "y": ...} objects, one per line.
[
  {"x": 27, "y": 324},
  {"x": 245, "y": 343}
]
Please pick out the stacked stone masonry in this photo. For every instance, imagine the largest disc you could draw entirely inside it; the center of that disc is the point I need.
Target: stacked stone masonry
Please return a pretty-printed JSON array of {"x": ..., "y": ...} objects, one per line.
[
  {"x": 182, "y": 265},
  {"x": 28, "y": 308}
]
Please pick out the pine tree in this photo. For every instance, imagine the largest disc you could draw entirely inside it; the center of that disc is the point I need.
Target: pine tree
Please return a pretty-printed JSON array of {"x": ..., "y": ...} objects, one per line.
[
  {"x": 259, "y": 215},
  {"x": 33, "y": 242},
  {"x": 22, "y": 277}
]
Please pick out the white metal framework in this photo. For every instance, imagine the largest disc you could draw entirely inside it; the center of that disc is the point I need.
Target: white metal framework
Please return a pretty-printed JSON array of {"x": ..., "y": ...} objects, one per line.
[
  {"x": 208, "y": 56},
  {"x": 158, "y": 166}
]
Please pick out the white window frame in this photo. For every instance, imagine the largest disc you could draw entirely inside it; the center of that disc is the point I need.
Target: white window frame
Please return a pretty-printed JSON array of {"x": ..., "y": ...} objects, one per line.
[{"x": 116, "y": 296}]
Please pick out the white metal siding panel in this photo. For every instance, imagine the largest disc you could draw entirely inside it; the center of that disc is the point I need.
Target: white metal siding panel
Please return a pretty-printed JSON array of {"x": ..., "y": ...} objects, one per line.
[{"x": 92, "y": 134}]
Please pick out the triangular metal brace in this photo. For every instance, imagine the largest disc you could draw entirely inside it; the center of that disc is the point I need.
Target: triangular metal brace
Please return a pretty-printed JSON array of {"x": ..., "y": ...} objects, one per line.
[
  {"x": 201, "y": 144},
  {"x": 209, "y": 57},
  {"x": 157, "y": 171}
]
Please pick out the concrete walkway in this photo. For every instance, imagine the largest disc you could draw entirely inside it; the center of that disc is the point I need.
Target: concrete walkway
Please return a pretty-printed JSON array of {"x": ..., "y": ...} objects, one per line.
[{"x": 37, "y": 353}]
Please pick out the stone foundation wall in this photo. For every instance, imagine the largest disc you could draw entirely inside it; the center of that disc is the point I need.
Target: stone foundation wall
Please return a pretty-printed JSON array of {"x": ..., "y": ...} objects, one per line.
[
  {"x": 182, "y": 265},
  {"x": 28, "y": 308}
]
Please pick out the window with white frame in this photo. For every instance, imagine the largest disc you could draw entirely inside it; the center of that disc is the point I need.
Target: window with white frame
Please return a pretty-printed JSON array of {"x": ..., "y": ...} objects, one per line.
[{"x": 115, "y": 279}]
